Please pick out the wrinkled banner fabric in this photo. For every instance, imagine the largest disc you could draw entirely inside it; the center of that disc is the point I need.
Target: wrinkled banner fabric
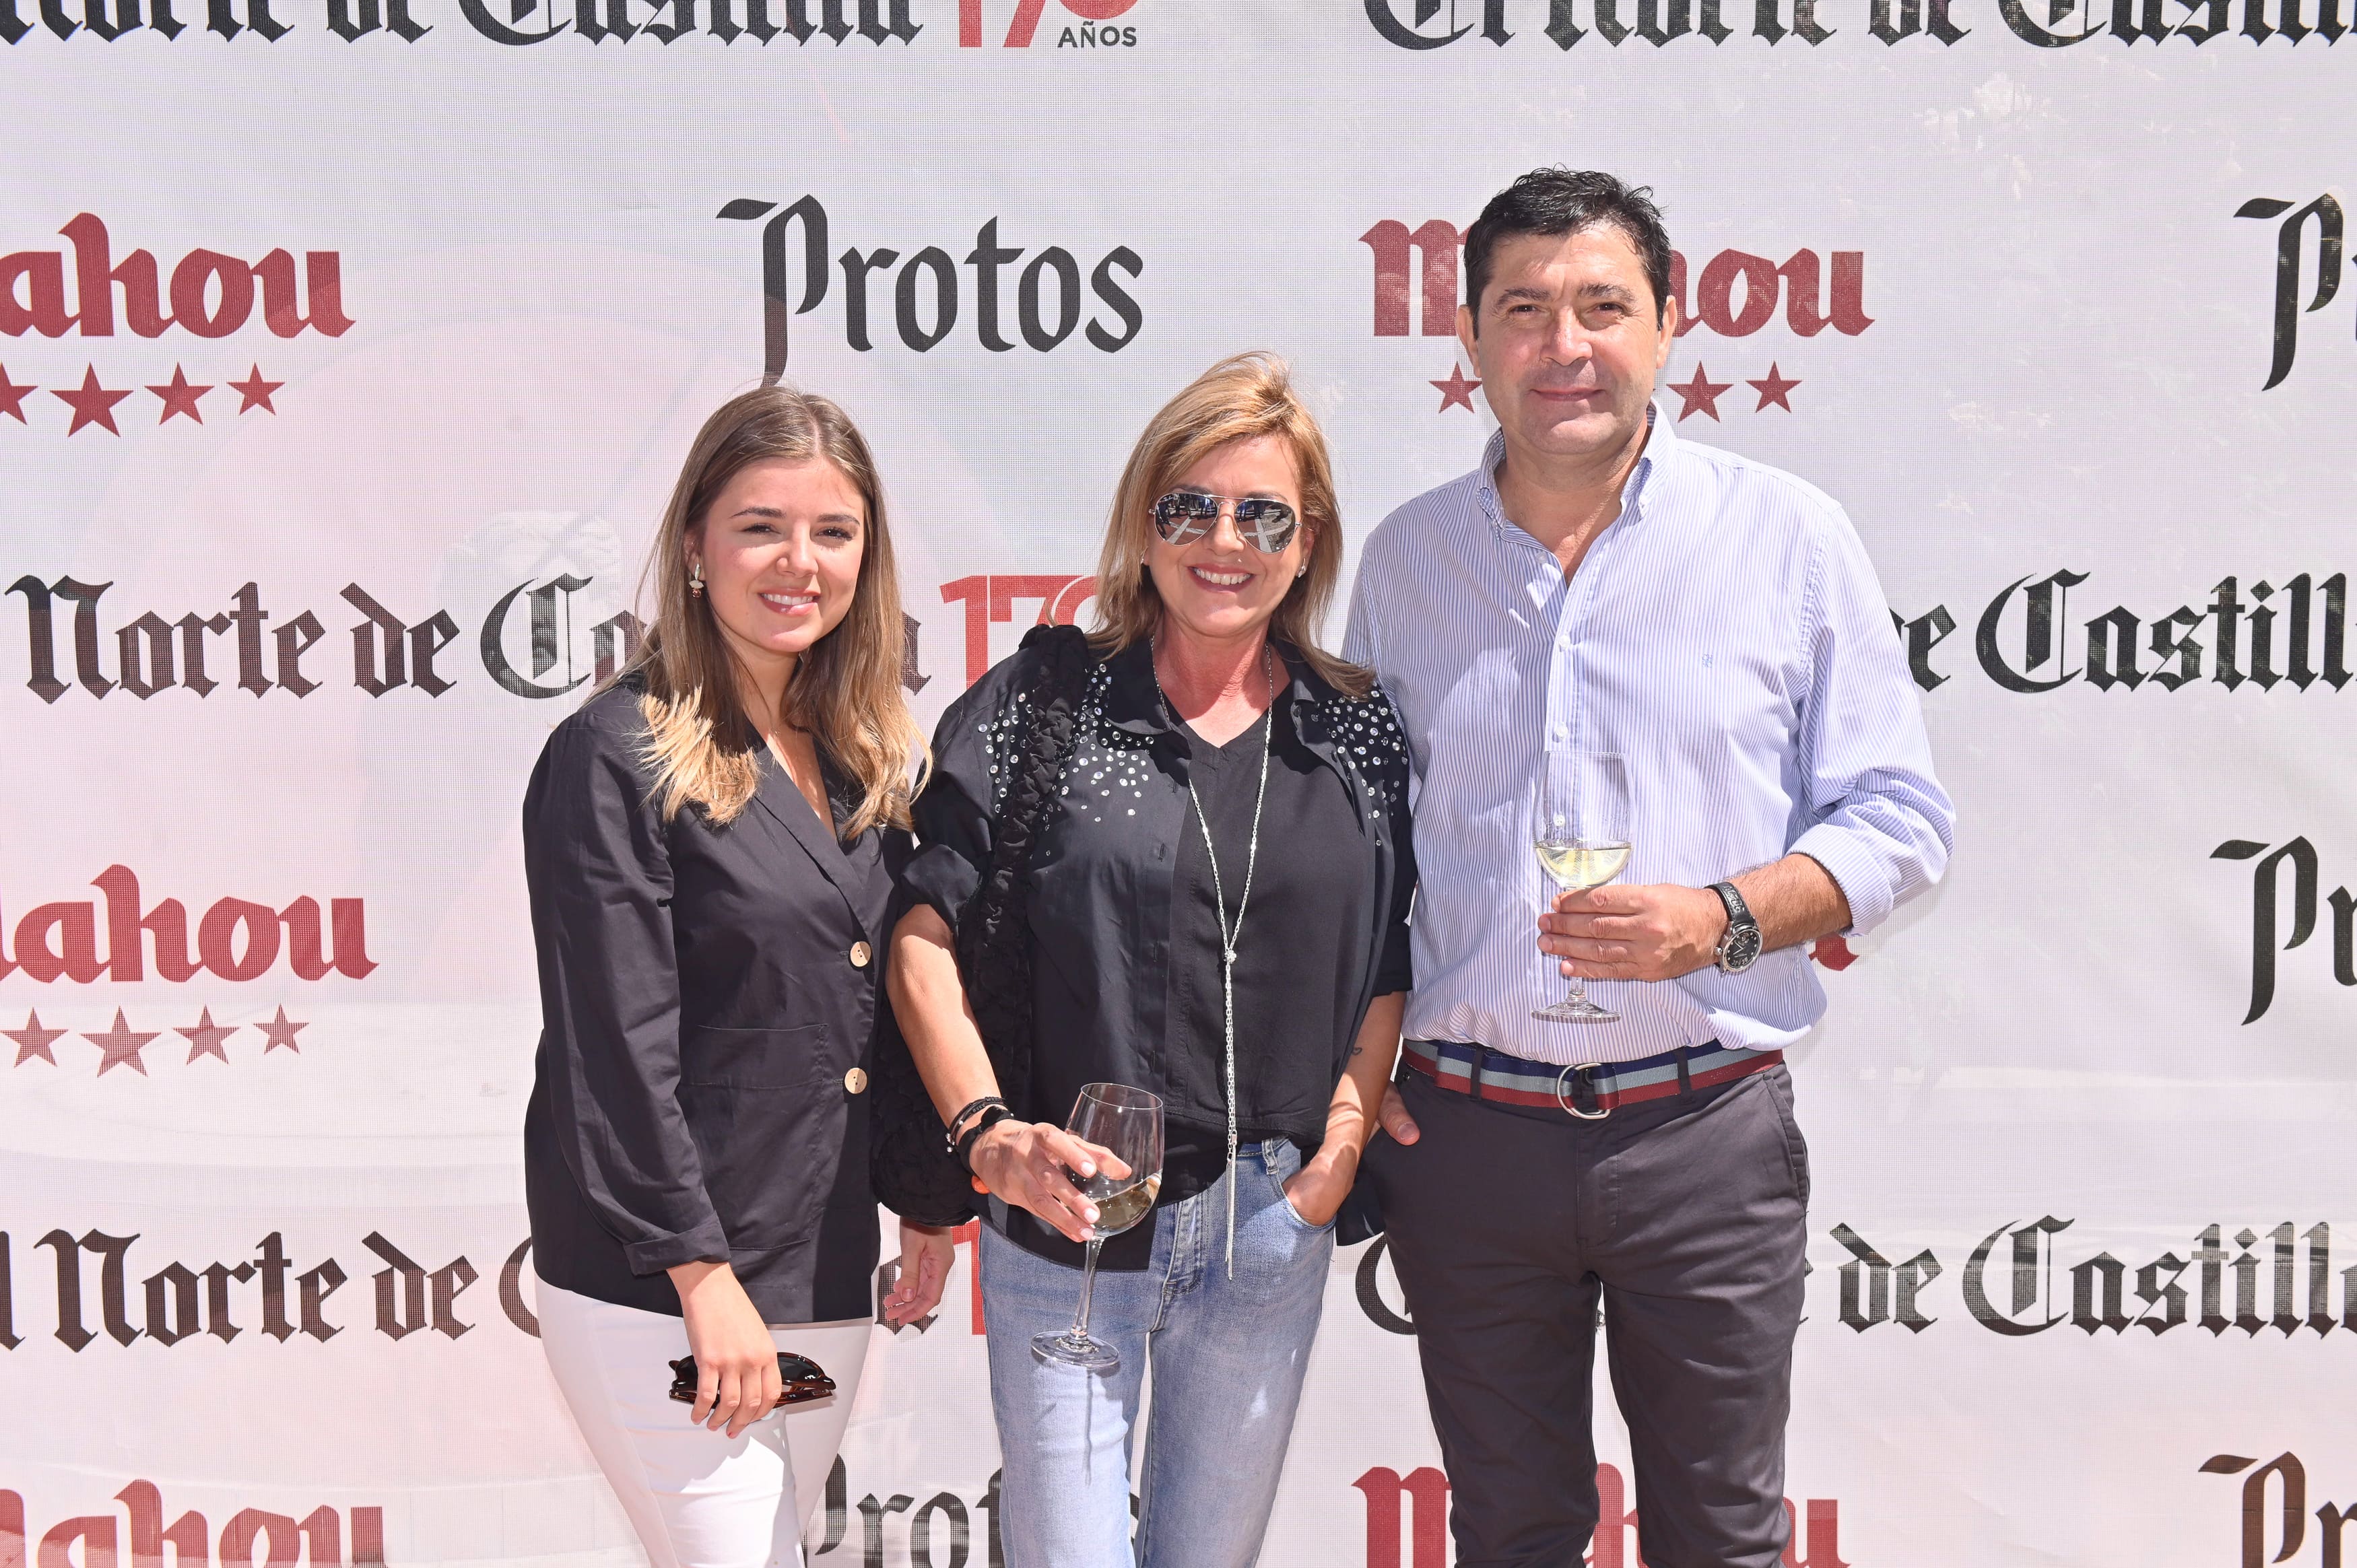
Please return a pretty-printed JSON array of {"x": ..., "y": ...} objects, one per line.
[{"x": 349, "y": 349}]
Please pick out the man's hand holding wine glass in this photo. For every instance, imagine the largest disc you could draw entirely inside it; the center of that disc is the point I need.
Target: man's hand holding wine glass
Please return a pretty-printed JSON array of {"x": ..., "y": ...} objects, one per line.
[{"x": 1650, "y": 931}]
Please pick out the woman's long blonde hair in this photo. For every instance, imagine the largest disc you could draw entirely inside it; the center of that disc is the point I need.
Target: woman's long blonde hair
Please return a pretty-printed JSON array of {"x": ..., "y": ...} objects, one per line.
[
  {"x": 1241, "y": 398},
  {"x": 845, "y": 689}
]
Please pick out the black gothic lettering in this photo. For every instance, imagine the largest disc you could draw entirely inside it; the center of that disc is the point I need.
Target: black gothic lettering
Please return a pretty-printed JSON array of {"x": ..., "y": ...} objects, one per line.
[
  {"x": 2028, "y": 1277},
  {"x": 987, "y": 257},
  {"x": 871, "y": 1526},
  {"x": 449, "y": 1282},
  {"x": 1033, "y": 322},
  {"x": 776, "y": 308},
  {"x": 2045, "y": 601},
  {"x": 512, "y": 1290},
  {"x": 2289, "y": 246},
  {"x": 1117, "y": 298},
  {"x": 856, "y": 268},
  {"x": 2302, "y": 855},
  {"x": 399, "y": 1290}
]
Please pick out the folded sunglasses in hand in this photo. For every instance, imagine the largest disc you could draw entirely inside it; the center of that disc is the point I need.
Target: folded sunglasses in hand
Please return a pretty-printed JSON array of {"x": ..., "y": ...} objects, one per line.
[{"x": 802, "y": 1379}]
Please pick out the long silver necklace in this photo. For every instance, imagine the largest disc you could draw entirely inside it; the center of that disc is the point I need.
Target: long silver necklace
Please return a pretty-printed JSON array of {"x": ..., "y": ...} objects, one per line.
[{"x": 1229, "y": 933}]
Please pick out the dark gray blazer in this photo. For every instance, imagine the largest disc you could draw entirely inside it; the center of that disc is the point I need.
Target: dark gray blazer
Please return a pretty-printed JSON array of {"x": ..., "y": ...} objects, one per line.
[{"x": 707, "y": 993}]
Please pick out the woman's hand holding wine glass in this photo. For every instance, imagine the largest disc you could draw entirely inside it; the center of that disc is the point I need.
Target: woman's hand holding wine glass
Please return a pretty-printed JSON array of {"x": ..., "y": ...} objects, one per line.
[
  {"x": 1125, "y": 1123},
  {"x": 1033, "y": 1165}
]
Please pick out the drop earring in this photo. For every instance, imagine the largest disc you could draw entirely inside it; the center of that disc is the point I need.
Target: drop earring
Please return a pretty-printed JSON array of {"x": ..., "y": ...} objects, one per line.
[{"x": 695, "y": 578}]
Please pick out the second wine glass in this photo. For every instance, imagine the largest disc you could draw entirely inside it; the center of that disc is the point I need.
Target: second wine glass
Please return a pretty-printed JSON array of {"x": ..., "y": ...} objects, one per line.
[{"x": 1127, "y": 1124}]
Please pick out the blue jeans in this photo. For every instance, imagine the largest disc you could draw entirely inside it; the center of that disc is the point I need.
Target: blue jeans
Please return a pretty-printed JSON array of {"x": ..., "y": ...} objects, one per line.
[{"x": 1228, "y": 1359}]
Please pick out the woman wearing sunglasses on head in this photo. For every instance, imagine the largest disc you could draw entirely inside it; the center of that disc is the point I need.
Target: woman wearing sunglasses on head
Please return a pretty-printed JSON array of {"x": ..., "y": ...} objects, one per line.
[
  {"x": 710, "y": 843},
  {"x": 1212, "y": 908}
]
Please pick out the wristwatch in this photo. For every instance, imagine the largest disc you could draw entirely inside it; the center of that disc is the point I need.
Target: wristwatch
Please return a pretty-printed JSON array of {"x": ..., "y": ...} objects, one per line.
[{"x": 1738, "y": 949}]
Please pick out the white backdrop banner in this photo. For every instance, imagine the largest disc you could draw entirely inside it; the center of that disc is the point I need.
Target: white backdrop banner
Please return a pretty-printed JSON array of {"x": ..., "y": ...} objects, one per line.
[{"x": 352, "y": 346}]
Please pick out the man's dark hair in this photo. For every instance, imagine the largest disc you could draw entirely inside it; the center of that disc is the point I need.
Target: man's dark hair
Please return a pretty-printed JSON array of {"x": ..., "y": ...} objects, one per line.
[{"x": 1565, "y": 201}]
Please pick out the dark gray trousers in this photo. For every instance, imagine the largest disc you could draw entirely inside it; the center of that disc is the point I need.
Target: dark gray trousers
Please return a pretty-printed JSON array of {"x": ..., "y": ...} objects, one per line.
[{"x": 1687, "y": 1216}]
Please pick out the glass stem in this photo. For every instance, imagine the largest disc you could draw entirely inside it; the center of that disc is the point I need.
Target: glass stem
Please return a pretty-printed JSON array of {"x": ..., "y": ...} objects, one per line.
[{"x": 1087, "y": 1286}]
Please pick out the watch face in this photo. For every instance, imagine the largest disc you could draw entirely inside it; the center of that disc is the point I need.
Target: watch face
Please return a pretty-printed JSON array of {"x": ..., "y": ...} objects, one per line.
[{"x": 1742, "y": 948}]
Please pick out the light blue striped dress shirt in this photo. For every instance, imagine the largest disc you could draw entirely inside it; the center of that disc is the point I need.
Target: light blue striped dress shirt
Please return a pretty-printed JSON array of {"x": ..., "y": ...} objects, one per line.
[{"x": 1725, "y": 635}]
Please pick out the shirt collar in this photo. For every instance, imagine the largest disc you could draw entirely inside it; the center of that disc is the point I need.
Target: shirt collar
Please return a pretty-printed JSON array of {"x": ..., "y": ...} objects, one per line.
[
  {"x": 1661, "y": 448},
  {"x": 1133, "y": 700}
]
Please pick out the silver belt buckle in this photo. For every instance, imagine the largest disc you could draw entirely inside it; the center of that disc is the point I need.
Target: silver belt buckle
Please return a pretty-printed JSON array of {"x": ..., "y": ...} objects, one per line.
[{"x": 1597, "y": 1115}]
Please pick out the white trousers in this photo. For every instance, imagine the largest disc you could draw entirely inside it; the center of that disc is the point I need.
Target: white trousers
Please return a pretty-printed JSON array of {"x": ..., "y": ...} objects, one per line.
[{"x": 698, "y": 1499}]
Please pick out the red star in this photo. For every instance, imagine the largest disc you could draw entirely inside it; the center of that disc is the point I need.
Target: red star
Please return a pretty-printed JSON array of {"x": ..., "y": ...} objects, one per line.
[
  {"x": 180, "y": 397},
  {"x": 1458, "y": 389},
  {"x": 12, "y": 396},
  {"x": 94, "y": 404},
  {"x": 1773, "y": 389},
  {"x": 32, "y": 1040},
  {"x": 122, "y": 1044},
  {"x": 1701, "y": 394},
  {"x": 255, "y": 391},
  {"x": 279, "y": 1032},
  {"x": 205, "y": 1038}
]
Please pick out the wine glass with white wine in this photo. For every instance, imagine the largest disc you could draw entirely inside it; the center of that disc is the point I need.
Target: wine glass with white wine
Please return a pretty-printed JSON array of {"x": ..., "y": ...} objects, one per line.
[
  {"x": 1582, "y": 838},
  {"x": 1129, "y": 1122}
]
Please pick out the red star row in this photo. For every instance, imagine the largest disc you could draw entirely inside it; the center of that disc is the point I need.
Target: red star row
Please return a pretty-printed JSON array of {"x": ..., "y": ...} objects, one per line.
[
  {"x": 1700, "y": 395},
  {"x": 121, "y": 1045},
  {"x": 94, "y": 405}
]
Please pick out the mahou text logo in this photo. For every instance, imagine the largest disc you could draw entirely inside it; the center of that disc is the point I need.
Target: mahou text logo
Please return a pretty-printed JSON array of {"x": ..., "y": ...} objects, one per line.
[
  {"x": 1738, "y": 294},
  {"x": 251, "y": 1538},
  {"x": 1407, "y": 1522},
  {"x": 1733, "y": 295},
  {"x": 927, "y": 294},
  {"x": 233, "y": 938},
  {"x": 206, "y": 294}
]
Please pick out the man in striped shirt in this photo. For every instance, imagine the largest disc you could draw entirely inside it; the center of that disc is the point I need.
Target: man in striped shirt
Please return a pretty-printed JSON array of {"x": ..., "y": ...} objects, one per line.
[{"x": 1599, "y": 584}]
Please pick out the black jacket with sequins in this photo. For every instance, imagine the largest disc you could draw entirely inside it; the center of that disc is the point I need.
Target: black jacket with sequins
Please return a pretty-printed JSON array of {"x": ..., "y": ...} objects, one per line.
[{"x": 1121, "y": 956}]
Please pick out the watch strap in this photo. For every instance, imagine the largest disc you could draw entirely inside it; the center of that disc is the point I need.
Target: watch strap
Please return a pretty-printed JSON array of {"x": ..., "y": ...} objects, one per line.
[{"x": 1738, "y": 945}]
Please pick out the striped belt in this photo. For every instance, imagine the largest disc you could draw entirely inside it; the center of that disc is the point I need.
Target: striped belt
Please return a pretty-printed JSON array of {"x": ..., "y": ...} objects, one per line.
[{"x": 1590, "y": 1090}]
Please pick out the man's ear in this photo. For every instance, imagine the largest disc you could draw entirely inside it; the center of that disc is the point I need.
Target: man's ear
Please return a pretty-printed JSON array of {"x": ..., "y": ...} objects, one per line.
[
  {"x": 1669, "y": 333},
  {"x": 1469, "y": 334}
]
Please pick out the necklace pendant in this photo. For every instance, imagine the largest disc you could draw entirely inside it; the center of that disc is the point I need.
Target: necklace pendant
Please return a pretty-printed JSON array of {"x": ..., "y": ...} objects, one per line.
[{"x": 1228, "y": 957}]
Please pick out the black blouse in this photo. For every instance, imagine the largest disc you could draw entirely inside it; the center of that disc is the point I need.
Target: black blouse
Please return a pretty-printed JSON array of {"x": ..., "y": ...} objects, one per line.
[
  {"x": 1123, "y": 918},
  {"x": 708, "y": 1002}
]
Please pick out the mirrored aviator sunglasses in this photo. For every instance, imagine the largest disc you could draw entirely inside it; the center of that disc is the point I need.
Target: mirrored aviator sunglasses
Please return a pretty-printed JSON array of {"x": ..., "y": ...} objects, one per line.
[{"x": 1185, "y": 515}]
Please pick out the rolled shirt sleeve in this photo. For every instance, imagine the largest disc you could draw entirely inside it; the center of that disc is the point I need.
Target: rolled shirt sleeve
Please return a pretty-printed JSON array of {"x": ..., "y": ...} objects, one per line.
[
  {"x": 597, "y": 864},
  {"x": 1878, "y": 820}
]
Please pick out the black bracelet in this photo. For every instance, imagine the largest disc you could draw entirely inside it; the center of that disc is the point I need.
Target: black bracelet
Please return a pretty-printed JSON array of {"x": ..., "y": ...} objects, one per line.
[
  {"x": 950, "y": 1135},
  {"x": 963, "y": 1149}
]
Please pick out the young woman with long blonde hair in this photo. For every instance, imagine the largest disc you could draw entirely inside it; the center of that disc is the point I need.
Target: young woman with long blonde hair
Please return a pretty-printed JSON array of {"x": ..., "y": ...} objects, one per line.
[{"x": 711, "y": 843}]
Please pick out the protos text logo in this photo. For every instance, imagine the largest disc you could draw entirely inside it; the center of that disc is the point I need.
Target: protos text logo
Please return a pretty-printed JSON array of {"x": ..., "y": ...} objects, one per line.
[{"x": 925, "y": 291}]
